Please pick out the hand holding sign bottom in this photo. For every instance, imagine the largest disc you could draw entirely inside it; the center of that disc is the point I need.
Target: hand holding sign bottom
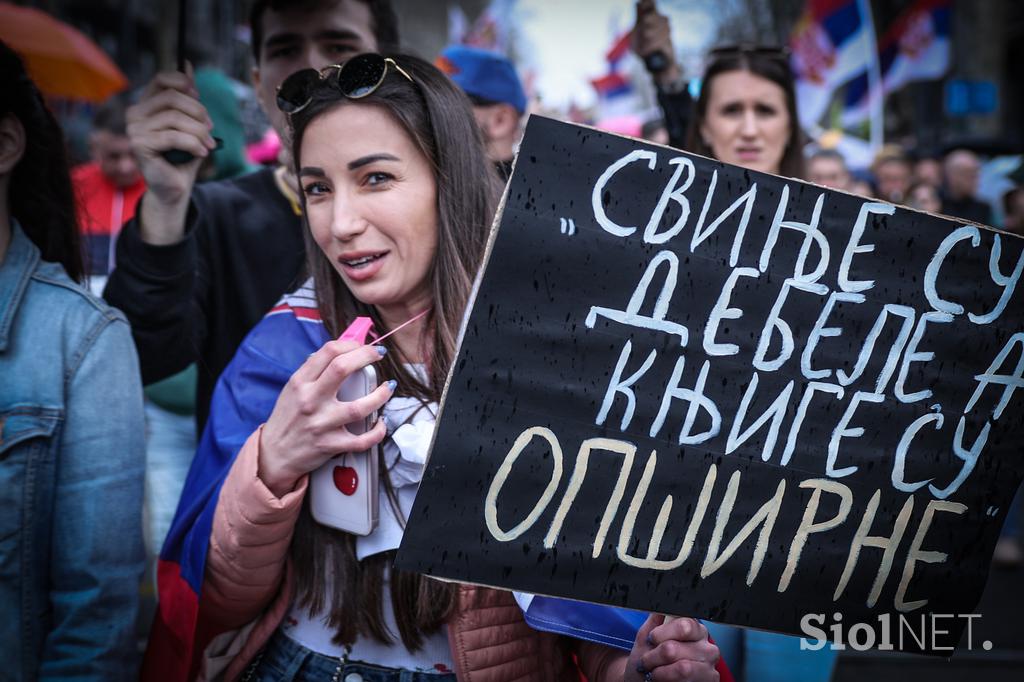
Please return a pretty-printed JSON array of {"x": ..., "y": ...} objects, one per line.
[{"x": 670, "y": 648}]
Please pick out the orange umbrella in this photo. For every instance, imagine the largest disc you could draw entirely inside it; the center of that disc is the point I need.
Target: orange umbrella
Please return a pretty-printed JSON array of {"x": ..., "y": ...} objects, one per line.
[{"x": 62, "y": 61}]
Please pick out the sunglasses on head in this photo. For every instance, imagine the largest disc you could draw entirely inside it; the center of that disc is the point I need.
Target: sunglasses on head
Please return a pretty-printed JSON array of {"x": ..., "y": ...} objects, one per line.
[
  {"x": 767, "y": 51},
  {"x": 356, "y": 78}
]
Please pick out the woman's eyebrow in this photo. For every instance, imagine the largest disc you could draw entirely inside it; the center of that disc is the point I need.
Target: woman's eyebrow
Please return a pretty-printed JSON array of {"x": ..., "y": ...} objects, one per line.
[
  {"x": 370, "y": 158},
  {"x": 315, "y": 171}
]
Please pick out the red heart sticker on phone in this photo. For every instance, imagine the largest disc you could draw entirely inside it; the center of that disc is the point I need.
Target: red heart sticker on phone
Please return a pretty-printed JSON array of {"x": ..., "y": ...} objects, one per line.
[{"x": 346, "y": 480}]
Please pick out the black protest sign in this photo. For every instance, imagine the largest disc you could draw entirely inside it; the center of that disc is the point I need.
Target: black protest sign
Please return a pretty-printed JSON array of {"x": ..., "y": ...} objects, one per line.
[{"x": 693, "y": 389}]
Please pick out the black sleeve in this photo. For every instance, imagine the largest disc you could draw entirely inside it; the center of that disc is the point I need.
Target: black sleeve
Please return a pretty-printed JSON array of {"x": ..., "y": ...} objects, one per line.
[
  {"x": 160, "y": 289},
  {"x": 676, "y": 108}
]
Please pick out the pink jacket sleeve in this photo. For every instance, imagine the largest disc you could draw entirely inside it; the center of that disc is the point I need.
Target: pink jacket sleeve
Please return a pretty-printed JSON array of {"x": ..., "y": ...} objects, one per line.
[{"x": 252, "y": 529}]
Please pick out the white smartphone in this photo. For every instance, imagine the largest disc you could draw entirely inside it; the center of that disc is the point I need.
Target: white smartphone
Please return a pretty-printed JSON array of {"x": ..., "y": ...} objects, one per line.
[{"x": 345, "y": 489}]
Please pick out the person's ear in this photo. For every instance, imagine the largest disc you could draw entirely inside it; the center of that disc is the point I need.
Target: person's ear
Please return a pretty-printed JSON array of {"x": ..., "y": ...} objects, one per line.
[
  {"x": 12, "y": 143},
  {"x": 704, "y": 136},
  {"x": 484, "y": 120},
  {"x": 504, "y": 121}
]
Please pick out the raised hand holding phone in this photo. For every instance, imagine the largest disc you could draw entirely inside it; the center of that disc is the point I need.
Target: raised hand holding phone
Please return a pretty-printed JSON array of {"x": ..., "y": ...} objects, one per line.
[
  {"x": 169, "y": 116},
  {"x": 309, "y": 424}
]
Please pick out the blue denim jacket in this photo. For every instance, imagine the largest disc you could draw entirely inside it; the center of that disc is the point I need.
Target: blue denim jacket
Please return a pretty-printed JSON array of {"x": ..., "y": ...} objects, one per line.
[{"x": 71, "y": 477}]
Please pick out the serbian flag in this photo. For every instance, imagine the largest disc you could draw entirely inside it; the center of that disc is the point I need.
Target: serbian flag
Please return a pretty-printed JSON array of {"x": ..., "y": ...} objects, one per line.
[
  {"x": 606, "y": 625},
  {"x": 916, "y": 47},
  {"x": 575, "y": 619},
  {"x": 830, "y": 44},
  {"x": 613, "y": 83},
  {"x": 244, "y": 398},
  {"x": 616, "y": 95}
]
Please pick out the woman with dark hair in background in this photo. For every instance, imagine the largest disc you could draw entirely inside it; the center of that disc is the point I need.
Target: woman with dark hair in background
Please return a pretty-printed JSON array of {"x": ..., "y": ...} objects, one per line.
[
  {"x": 71, "y": 425},
  {"x": 746, "y": 113}
]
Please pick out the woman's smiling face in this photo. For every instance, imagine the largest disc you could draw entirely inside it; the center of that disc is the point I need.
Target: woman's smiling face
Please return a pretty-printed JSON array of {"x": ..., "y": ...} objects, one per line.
[{"x": 371, "y": 202}]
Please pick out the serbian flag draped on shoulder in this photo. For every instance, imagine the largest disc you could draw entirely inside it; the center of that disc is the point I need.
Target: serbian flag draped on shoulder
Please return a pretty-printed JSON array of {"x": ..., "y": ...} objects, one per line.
[{"x": 244, "y": 398}]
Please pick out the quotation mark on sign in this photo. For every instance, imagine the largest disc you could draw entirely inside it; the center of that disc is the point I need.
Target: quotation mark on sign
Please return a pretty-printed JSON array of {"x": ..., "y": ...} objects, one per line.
[{"x": 568, "y": 227}]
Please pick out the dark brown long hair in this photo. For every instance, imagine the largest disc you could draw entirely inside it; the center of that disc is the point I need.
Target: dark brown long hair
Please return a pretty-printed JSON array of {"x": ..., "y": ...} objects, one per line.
[
  {"x": 773, "y": 67},
  {"x": 40, "y": 194},
  {"x": 438, "y": 118}
]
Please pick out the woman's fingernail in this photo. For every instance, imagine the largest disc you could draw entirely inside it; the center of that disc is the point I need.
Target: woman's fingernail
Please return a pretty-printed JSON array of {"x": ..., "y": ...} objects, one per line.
[
  {"x": 650, "y": 642},
  {"x": 381, "y": 350},
  {"x": 392, "y": 385},
  {"x": 641, "y": 669}
]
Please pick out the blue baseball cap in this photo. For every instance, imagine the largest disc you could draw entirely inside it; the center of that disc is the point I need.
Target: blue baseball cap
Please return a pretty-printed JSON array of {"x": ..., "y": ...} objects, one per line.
[{"x": 483, "y": 74}]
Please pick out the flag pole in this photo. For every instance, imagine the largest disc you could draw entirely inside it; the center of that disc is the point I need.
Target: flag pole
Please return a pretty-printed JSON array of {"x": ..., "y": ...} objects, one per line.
[{"x": 876, "y": 96}]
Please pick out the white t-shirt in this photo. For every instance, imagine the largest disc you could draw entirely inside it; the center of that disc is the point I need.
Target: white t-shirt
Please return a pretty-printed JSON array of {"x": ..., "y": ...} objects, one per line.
[{"x": 405, "y": 455}]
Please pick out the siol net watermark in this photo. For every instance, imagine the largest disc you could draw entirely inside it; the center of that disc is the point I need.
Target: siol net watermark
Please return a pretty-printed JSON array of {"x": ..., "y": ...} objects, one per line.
[{"x": 926, "y": 631}]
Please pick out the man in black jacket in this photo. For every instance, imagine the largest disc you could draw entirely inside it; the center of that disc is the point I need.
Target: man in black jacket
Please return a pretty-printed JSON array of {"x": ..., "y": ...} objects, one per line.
[{"x": 199, "y": 266}]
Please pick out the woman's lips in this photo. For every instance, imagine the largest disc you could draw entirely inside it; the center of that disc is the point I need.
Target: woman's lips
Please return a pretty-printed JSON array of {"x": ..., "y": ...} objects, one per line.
[{"x": 363, "y": 266}]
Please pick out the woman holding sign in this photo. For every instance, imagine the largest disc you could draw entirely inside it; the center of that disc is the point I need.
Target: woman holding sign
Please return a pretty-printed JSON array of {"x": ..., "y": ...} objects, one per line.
[
  {"x": 398, "y": 197},
  {"x": 746, "y": 115}
]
